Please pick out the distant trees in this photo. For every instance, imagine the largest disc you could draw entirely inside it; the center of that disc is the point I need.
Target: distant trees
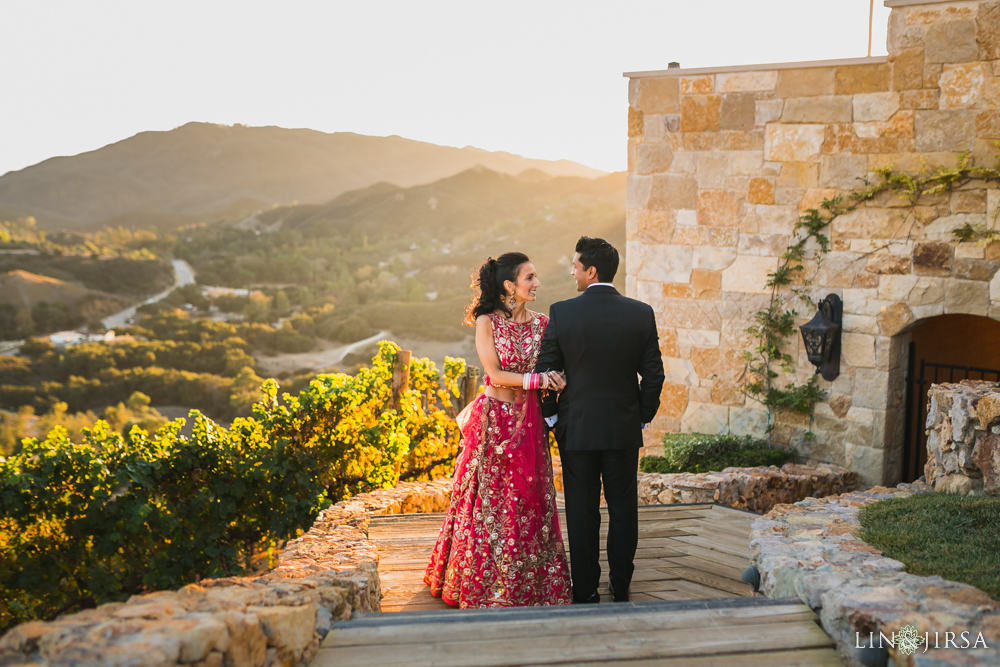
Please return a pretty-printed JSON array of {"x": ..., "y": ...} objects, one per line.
[
  {"x": 113, "y": 263},
  {"x": 15, "y": 426},
  {"x": 172, "y": 358}
]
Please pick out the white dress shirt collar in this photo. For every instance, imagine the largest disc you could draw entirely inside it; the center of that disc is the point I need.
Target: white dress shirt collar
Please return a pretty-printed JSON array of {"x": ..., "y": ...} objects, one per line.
[{"x": 599, "y": 285}]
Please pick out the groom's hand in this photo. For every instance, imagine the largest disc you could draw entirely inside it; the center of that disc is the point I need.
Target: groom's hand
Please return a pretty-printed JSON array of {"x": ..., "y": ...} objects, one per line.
[{"x": 557, "y": 381}]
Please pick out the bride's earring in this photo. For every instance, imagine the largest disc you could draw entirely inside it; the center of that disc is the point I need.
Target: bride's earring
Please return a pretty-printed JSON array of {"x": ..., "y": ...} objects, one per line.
[{"x": 512, "y": 302}]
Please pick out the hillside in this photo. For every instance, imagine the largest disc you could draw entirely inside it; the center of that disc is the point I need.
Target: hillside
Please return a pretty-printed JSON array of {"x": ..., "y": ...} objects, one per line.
[
  {"x": 205, "y": 171},
  {"x": 22, "y": 289},
  {"x": 36, "y": 304},
  {"x": 399, "y": 259}
]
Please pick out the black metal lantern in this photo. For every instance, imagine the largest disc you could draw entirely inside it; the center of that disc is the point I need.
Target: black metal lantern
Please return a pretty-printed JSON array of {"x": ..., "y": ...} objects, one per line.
[{"x": 821, "y": 336}]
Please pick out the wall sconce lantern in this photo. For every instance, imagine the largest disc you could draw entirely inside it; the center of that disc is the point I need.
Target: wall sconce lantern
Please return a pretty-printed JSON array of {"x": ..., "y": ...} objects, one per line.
[{"x": 821, "y": 336}]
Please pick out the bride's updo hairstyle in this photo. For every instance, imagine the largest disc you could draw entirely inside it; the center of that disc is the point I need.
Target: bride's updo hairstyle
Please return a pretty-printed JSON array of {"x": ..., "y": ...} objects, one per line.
[{"x": 487, "y": 285}]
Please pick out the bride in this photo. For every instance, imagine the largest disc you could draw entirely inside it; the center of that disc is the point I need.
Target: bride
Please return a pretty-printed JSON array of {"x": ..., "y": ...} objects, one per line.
[{"x": 500, "y": 545}]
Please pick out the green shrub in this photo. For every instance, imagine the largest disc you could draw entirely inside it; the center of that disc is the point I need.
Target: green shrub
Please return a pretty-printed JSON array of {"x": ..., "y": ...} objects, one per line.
[
  {"x": 700, "y": 452},
  {"x": 82, "y": 523},
  {"x": 353, "y": 329}
]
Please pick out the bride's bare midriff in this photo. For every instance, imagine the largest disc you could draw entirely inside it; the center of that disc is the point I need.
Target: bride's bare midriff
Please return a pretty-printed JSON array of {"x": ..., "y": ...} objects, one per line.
[{"x": 501, "y": 393}]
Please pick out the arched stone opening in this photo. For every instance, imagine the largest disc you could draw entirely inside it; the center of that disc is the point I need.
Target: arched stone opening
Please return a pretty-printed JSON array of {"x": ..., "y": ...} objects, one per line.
[{"x": 946, "y": 348}]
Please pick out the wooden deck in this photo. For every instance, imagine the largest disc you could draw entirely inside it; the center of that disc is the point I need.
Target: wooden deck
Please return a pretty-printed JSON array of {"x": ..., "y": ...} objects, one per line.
[
  {"x": 688, "y": 608},
  {"x": 685, "y": 552},
  {"x": 736, "y": 631}
]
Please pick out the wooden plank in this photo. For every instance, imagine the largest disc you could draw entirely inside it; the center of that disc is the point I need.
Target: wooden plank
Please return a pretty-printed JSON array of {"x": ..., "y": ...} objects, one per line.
[
  {"x": 731, "y": 586},
  {"x": 665, "y": 584},
  {"x": 700, "y": 525},
  {"x": 423, "y": 597},
  {"x": 649, "y": 514},
  {"x": 699, "y": 591},
  {"x": 727, "y": 606},
  {"x": 412, "y": 607},
  {"x": 724, "y": 510},
  {"x": 813, "y": 657},
  {"x": 404, "y": 537},
  {"x": 707, "y": 525},
  {"x": 648, "y": 563},
  {"x": 411, "y": 552},
  {"x": 716, "y": 545},
  {"x": 715, "y": 556},
  {"x": 652, "y": 542},
  {"x": 711, "y": 567},
  {"x": 659, "y": 531},
  {"x": 396, "y": 578},
  {"x": 671, "y": 594},
  {"x": 733, "y": 518},
  {"x": 657, "y": 552},
  {"x": 572, "y": 623},
  {"x": 654, "y": 530},
  {"x": 416, "y": 519},
  {"x": 401, "y": 594},
  {"x": 471, "y": 649},
  {"x": 427, "y": 526}
]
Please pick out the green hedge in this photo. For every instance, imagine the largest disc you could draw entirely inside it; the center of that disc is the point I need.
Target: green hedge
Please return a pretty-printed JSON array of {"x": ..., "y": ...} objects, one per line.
[
  {"x": 82, "y": 523},
  {"x": 701, "y": 452}
]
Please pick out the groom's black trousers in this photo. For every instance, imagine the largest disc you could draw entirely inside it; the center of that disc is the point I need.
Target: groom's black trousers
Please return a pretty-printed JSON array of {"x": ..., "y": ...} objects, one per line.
[{"x": 583, "y": 473}]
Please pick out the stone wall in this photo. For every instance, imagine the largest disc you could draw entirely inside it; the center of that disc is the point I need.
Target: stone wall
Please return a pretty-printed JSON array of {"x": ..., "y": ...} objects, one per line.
[
  {"x": 809, "y": 550},
  {"x": 278, "y": 618},
  {"x": 723, "y": 161},
  {"x": 753, "y": 489},
  {"x": 963, "y": 438}
]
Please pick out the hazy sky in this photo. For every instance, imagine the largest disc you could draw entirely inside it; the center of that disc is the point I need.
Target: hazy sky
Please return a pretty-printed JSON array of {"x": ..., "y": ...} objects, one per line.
[{"x": 539, "y": 78}]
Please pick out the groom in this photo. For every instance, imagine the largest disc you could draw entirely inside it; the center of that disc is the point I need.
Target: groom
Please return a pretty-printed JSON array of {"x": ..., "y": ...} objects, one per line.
[{"x": 602, "y": 341}]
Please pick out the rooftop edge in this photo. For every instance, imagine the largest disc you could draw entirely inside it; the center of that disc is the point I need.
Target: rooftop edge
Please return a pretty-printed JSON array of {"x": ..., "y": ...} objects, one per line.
[
  {"x": 907, "y": 3},
  {"x": 677, "y": 71}
]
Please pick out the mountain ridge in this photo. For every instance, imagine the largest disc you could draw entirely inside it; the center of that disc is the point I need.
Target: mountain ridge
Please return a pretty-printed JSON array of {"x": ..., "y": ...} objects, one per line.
[{"x": 200, "y": 169}]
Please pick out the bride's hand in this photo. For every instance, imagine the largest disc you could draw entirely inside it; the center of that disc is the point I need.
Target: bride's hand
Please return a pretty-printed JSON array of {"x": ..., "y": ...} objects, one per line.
[{"x": 557, "y": 381}]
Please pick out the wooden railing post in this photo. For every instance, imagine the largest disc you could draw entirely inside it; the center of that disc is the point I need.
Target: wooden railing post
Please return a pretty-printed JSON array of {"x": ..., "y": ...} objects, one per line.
[
  {"x": 400, "y": 377},
  {"x": 470, "y": 384}
]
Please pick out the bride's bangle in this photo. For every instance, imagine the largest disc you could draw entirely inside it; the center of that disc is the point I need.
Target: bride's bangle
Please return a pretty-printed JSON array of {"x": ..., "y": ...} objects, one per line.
[{"x": 531, "y": 381}]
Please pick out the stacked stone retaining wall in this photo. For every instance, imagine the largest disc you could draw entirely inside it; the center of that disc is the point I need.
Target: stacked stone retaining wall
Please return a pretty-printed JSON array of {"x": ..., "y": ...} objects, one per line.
[
  {"x": 963, "y": 437},
  {"x": 278, "y": 618},
  {"x": 754, "y": 489}
]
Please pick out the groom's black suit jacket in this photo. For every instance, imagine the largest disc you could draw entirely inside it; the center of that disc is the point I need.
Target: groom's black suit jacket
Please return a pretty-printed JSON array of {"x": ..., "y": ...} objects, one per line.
[{"x": 602, "y": 341}]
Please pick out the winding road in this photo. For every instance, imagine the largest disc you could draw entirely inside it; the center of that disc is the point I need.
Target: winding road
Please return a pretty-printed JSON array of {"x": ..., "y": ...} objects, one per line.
[{"x": 183, "y": 275}]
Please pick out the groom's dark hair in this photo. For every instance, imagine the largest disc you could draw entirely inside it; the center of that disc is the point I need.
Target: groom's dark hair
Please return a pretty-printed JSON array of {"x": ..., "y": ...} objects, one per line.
[{"x": 599, "y": 254}]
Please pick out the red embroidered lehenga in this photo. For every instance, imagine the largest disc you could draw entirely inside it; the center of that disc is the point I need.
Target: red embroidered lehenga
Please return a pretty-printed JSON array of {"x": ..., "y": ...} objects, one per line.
[{"x": 500, "y": 545}]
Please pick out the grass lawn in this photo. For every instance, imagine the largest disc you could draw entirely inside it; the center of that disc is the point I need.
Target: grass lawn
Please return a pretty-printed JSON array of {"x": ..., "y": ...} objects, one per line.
[{"x": 957, "y": 537}]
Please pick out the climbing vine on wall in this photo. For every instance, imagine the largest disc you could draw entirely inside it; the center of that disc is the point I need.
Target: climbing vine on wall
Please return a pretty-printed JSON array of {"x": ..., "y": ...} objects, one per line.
[{"x": 772, "y": 326}]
